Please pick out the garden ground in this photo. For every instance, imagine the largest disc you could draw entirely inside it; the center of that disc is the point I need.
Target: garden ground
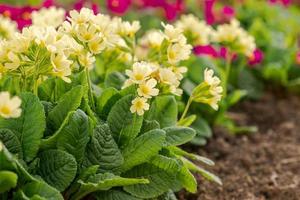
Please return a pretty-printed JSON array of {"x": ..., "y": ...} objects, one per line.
[{"x": 261, "y": 166}]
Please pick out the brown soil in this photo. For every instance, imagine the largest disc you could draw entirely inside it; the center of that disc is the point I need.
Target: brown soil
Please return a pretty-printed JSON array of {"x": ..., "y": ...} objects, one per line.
[{"x": 263, "y": 165}]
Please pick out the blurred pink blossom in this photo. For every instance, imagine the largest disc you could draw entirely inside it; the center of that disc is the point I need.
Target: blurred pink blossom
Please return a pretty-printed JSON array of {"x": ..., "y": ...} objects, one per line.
[
  {"x": 86, "y": 3},
  {"x": 283, "y": 2},
  {"x": 118, "y": 6},
  {"x": 257, "y": 57},
  {"x": 298, "y": 58},
  {"x": 206, "y": 50}
]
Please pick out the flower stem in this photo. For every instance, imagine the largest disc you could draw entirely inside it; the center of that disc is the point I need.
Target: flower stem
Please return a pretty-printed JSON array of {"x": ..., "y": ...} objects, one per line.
[
  {"x": 91, "y": 97},
  {"x": 35, "y": 86},
  {"x": 227, "y": 72},
  {"x": 186, "y": 108}
]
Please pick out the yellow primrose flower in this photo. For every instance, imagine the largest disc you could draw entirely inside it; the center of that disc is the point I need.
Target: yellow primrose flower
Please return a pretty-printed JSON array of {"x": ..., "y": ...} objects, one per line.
[
  {"x": 177, "y": 52},
  {"x": 167, "y": 76},
  {"x": 140, "y": 72},
  {"x": 86, "y": 33},
  {"x": 61, "y": 66},
  {"x": 9, "y": 107},
  {"x": 128, "y": 29},
  {"x": 96, "y": 45},
  {"x": 139, "y": 105},
  {"x": 84, "y": 16},
  {"x": 171, "y": 33},
  {"x": 7, "y": 28},
  {"x": 147, "y": 89},
  {"x": 87, "y": 60},
  {"x": 48, "y": 17},
  {"x": 152, "y": 38},
  {"x": 179, "y": 71},
  {"x": 14, "y": 61}
]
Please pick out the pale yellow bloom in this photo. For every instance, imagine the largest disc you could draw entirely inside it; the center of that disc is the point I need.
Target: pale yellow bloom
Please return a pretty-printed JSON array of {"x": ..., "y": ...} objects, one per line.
[
  {"x": 167, "y": 76},
  {"x": 139, "y": 105},
  {"x": 61, "y": 66},
  {"x": 48, "y": 17},
  {"x": 96, "y": 45},
  {"x": 7, "y": 28},
  {"x": 9, "y": 107},
  {"x": 198, "y": 30},
  {"x": 140, "y": 72},
  {"x": 84, "y": 16},
  {"x": 178, "y": 52},
  {"x": 87, "y": 60},
  {"x": 127, "y": 28},
  {"x": 171, "y": 33},
  {"x": 147, "y": 89},
  {"x": 86, "y": 33},
  {"x": 153, "y": 39},
  {"x": 179, "y": 71},
  {"x": 14, "y": 61}
]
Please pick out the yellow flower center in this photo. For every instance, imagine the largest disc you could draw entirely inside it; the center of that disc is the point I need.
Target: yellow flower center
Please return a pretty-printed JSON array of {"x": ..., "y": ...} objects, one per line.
[
  {"x": 145, "y": 89},
  {"x": 139, "y": 105},
  {"x": 172, "y": 55},
  {"x": 139, "y": 77},
  {"x": 5, "y": 110}
]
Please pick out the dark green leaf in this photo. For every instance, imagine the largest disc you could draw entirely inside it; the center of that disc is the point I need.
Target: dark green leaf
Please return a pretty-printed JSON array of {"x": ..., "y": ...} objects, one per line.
[
  {"x": 11, "y": 141},
  {"x": 57, "y": 168},
  {"x": 178, "y": 135},
  {"x": 29, "y": 127}
]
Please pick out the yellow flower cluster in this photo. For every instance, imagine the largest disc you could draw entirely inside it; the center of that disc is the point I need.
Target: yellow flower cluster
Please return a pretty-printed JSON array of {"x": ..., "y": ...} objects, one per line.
[
  {"x": 197, "y": 31},
  {"x": 151, "y": 79},
  {"x": 209, "y": 91},
  {"x": 48, "y": 17},
  {"x": 7, "y": 28},
  {"x": 9, "y": 107},
  {"x": 37, "y": 51},
  {"x": 235, "y": 37}
]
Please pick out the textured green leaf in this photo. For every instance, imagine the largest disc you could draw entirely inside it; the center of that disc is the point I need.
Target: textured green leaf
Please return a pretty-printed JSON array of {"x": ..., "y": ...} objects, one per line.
[
  {"x": 102, "y": 150},
  {"x": 8, "y": 180},
  {"x": 11, "y": 141},
  {"x": 178, "y": 135},
  {"x": 114, "y": 195},
  {"x": 42, "y": 190},
  {"x": 57, "y": 168},
  {"x": 72, "y": 136},
  {"x": 103, "y": 99},
  {"x": 124, "y": 125},
  {"x": 160, "y": 181},
  {"x": 164, "y": 110},
  {"x": 104, "y": 182},
  {"x": 29, "y": 127},
  {"x": 114, "y": 79},
  {"x": 149, "y": 125},
  {"x": 67, "y": 103},
  {"x": 142, "y": 148},
  {"x": 187, "y": 180}
]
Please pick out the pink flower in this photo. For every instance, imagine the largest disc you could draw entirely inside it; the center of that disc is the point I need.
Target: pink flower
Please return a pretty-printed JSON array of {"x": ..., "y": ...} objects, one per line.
[
  {"x": 298, "y": 58},
  {"x": 118, "y": 6},
  {"x": 256, "y": 58},
  {"x": 283, "y": 2},
  {"x": 86, "y": 3},
  {"x": 205, "y": 50},
  {"x": 228, "y": 12},
  {"x": 208, "y": 11}
]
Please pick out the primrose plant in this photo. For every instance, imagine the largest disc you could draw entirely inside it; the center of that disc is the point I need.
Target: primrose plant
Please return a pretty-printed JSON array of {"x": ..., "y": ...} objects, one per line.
[
  {"x": 232, "y": 41},
  {"x": 64, "y": 134}
]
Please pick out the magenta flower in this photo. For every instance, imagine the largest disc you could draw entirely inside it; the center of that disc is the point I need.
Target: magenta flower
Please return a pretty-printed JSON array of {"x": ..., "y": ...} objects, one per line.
[
  {"x": 256, "y": 58},
  {"x": 205, "y": 50},
  {"x": 298, "y": 58},
  {"x": 86, "y": 3},
  {"x": 283, "y": 2},
  {"x": 208, "y": 11},
  {"x": 228, "y": 12},
  {"x": 118, "y": 6}
]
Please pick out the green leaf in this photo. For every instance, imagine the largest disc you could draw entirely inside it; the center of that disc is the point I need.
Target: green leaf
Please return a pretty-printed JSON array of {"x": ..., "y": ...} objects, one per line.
[
  {"x": 149, "y": 125},
  {"x": 29, "y": 127},
  {"x": 114, "y": 195},
  {"x": 164, "y": 111},
  {"x": 187, "y": 180},
  {"x": 102, "y": 150},
  {"x": 40, "y": 190},
  {"x": 203, "y": 131},
  {"x": 187, "y": 121},
  {"x": 11, "y": 141},
  {"x": 67, "y": 103},
  {"x": 235, "y": 97},
  {"x": 114, "y": 79},
  {"x": 178, "y": 135},
  {"x": 104, "y": 182},
  {"x": 8, "y": 180},
  {"x": 104, "y": 98},
  {"x": 72, "y": 136},
  {"x": 160, "y": 181},
  {"x": 57, "y": 168},
  {"x": 124, "y": 125},
  {"x": 142, "y": 148}
]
